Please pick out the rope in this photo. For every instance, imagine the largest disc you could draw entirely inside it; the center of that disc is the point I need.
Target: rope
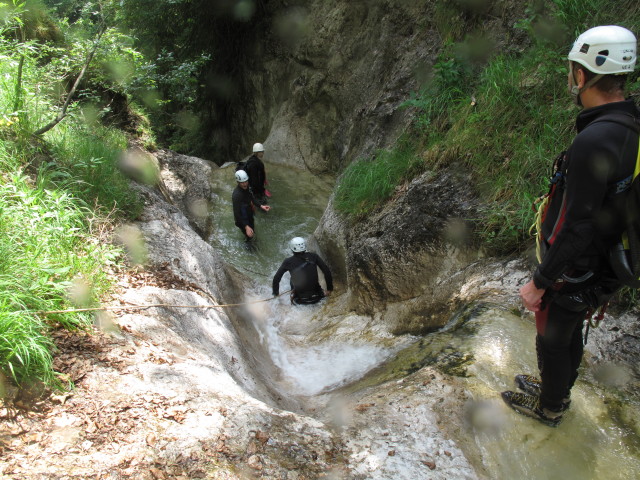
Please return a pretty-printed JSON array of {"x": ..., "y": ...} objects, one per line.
[
  {"x": 536, "y": 228},
  {"x": 127, "y": 307}
]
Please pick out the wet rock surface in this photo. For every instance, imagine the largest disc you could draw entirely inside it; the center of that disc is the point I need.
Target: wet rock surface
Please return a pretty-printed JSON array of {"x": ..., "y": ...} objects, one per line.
[
  {"x": 406, "y": 259},
  {"x": 324, "y": 83},
  {"x": 173, "y": 392},
  {"x": 187, "y": 182}
]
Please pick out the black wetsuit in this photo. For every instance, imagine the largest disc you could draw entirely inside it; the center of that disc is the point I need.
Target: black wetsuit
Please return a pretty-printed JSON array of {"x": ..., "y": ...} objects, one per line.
[
  {"x": 582, "y": 221},
  {"x": 257, "y": 176},
  {"x": 304, "y": 277},
  {"x": 244, "y": 203}
]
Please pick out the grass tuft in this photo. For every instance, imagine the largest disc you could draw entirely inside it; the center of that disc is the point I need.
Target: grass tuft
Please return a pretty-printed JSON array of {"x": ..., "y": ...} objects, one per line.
[
  {"x": 368, "y": 183},
  {"x": 54, "y": 192},
  {"x": 507, "y": 118}
]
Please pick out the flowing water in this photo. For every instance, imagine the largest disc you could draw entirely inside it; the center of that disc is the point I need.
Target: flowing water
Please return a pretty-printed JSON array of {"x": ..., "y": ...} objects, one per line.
[
  {"x": 298, "y": 201},
  {"x": 484, "y": 346},
  {"x": 598, "y": 438}
]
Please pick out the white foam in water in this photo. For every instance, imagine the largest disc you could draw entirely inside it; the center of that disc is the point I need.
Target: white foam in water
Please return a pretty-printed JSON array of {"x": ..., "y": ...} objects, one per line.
[
  {"x": 315, "y": 368},
  {"x": 308, "y": 369}
]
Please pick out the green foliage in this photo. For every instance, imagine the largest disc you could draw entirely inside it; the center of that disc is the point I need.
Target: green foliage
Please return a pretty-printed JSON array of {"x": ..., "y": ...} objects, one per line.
[
  {"x": 520, "y": 121},
  {"x": 46, "y": 255},
  {"x": 85, "y": 155},
  {"x": 56, "y": 195},
  {"x": 507, "y": 115},
  {"x": 28, "y": 20},
  {"x": 25, "y": 348},
  {"x": 194, "y": 49},
  {"x": 448, "y": 19},
  {"x": 173, "y": 97},
  {"x": 367, "y": 183},
  {"x": 86, "y": 165},
  {"x": 628, "y": 299},
  {"x": 579, "y": 15},
  {"x": 448, "y": 87},
  {"x": 523, "y": 118}
]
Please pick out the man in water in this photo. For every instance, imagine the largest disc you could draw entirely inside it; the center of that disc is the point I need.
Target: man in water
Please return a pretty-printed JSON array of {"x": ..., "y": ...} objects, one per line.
[
  {"x": 582, "y": 219},
  {"x": 256, "y": 172},
  {"x": 244, "y": 203},
  {"x": 304, "y": 274}
]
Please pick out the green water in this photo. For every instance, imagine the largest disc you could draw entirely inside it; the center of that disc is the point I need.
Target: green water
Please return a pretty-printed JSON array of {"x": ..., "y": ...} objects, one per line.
[{"x": 298, "y": 200}]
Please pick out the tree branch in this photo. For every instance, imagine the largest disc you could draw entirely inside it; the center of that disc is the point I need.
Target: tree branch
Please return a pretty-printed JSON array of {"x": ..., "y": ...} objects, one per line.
[{"x": 63, "y": 111}]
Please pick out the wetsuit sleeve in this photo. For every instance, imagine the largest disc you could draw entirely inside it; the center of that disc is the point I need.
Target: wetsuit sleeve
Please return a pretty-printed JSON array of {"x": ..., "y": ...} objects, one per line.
[
  {"x": 326, "y": 272},
  {"x": 256, "y": 201},
  {"x": 251, "y": 171},
  {"x": 241, "y": 213},
  {"x": 275, "y": 287},
  {"x": 255, "y": 170},
  {"x": 590, "y": 167}
]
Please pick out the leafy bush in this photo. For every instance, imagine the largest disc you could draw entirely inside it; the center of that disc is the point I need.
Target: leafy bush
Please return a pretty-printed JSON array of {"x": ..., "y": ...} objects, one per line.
[
  {"x": 47, "y": 254},
  {"x": 86, "y": 165},
  {"x": 54, "y": 193}
]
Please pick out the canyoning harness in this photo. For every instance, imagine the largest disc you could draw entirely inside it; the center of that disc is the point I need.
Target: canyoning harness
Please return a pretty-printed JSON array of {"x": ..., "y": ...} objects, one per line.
[
  {"x": 541, "y": 204},
  {"x": 592, "y": 299},
  {"x": 307, "y": 298},
  {"x": 300, "y": 278},
  {"x": 623, "y": 257}
]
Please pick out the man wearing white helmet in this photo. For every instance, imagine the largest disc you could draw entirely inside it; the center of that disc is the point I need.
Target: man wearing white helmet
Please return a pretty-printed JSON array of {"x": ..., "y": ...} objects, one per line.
[
  {"x": 256, "y": 172},
  {"x": 302, "y": 267},
  {"x": 581, "y": 219},
  {"x": 244, "y": 203}
]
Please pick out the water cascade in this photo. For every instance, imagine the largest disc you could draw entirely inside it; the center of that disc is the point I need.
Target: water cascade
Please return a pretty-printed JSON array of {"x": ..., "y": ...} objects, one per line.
[{"x": 321, "y": 360}]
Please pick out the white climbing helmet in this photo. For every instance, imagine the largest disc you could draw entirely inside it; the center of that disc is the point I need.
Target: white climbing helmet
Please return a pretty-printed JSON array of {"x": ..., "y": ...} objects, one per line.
[
  {"x": 241, "y": 176},
  {"x": 607, "y": 49},
  {"x": 297, "y": 245},
  {"x": 258, "y": 147}
]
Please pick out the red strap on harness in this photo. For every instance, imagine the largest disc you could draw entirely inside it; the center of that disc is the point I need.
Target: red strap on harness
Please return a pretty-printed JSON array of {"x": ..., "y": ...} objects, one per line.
[{"x": 595, "y": 321}]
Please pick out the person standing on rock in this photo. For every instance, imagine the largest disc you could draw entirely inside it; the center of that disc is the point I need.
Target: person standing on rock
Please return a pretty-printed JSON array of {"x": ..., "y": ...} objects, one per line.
[
  {"x": 257, "y": 175},
  {"x": 244, "y": 204},
  {"x": 302, "y": 267},
  {"x": 581, "y": 219}
]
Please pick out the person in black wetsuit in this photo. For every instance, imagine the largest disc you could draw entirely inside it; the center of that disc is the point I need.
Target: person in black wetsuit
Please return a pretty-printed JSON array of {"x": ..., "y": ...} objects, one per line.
[
  {"x": 244, "y": 203},
  {"x": 257, "y": 175},
  {"x": 582, "y": 219},
  {"x": 304, "y": 274}
]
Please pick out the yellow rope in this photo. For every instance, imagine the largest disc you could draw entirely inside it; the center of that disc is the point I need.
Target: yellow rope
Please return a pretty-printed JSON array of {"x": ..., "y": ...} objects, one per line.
[
  {"x": 126, "y": 307},
  {"x": 537, "y": 225}
]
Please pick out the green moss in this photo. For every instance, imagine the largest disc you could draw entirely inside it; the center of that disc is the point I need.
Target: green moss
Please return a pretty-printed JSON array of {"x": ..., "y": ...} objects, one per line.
[
  {"x": 436, "y": 349},
  {"x": 625, "y": 418}
]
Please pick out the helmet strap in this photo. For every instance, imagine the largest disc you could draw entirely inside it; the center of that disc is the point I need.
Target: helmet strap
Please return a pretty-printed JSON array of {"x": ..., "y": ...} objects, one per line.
[{"x": 575, "y": 91}]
